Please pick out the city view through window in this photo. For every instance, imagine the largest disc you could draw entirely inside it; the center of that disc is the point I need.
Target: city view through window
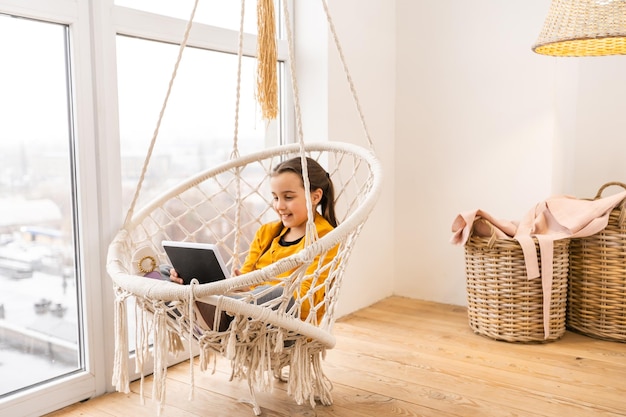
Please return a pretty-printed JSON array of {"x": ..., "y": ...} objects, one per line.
[
  {"x": 40, "y": 302},
  {"x": 198, "y": 127},
  {"x": 39, "y": 320}
]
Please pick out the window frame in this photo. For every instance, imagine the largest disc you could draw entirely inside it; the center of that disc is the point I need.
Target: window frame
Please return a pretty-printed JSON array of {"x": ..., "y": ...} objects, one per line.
[
  {"x": 84, "y": 383},
  {"x": 126, "y": 21},
  {"x": 93, "y": 26}
]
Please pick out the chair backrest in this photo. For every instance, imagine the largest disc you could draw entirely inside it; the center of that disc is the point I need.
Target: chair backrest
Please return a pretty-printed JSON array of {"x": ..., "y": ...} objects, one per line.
[{"x": 225, "y": 205}]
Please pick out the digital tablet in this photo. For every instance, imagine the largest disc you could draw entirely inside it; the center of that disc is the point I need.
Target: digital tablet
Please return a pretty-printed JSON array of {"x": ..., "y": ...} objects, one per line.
[{"x": 201, "y": 261}]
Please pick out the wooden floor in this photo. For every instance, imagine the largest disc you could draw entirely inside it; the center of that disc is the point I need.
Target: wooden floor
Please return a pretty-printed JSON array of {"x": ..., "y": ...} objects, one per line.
[{"x": 403, "y": 357}]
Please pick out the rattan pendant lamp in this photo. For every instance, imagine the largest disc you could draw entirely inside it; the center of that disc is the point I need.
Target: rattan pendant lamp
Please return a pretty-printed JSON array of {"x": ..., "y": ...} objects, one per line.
[{"x": 584, "y": 28}]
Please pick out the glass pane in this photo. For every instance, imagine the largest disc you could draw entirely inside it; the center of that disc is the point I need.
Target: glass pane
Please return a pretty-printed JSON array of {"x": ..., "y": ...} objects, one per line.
[
  {"x": 224, "y": 14},
  {"x": 198, "y": 128},
  {"x": 39, "y": 337}
]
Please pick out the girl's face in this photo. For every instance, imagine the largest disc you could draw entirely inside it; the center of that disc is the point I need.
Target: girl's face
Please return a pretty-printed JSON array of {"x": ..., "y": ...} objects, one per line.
[{"x": 290, "y": 201}]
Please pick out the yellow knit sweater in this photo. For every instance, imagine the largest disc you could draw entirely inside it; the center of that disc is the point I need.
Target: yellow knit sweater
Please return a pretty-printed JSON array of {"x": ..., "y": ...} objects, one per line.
[{"x": 266, "y": 249}]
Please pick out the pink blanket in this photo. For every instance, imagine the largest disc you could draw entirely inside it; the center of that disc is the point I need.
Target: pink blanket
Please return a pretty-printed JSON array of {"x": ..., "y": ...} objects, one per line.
[{"x": 559, "y": 217}]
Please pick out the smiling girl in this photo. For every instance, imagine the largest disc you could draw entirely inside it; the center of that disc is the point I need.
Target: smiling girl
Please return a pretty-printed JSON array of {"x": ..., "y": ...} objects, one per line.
[{"x": 277, "y": 240}]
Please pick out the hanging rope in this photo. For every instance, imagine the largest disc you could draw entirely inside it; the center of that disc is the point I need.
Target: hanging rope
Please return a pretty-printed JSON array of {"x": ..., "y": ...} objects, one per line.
[
  {"x": 355, "y": 96},
  {"x": 183, "y": 44},
  {"x": 235, "y": 151},
  {"x": 311, "y": 231},
  {"x": 256, "y": 339},
  {"x": 267, "y": 78}
]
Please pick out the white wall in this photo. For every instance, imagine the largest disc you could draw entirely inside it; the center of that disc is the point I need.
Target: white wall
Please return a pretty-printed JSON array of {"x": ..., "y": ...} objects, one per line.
[
  {"x": 592, "y": 115},
  {"x": 464, "y": 116},
  {"x": 483, "y": 122},
  {"x": 474, "y": 129},
  {"x": 366, "y": 30}
]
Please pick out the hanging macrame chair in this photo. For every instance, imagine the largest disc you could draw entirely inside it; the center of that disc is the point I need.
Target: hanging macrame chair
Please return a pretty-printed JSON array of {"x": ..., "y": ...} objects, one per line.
[{"x": 220, "y": 205}]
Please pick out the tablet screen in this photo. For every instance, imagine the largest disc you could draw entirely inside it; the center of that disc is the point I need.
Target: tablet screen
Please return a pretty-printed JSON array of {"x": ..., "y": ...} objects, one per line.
[{"x": 201, "y": 261}]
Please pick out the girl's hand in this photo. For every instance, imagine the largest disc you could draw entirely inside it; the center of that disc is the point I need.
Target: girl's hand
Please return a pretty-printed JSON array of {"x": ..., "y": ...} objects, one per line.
[
  {"x": 237, "y": 272},
  {"x": 174, "y": 277}
]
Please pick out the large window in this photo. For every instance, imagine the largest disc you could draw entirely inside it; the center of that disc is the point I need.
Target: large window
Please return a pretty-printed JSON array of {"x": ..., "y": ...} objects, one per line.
[
  {"x": 81, "y": 88},
  {"x": 198, "y": 128},
  {"x": 222, "y": 14},
  {"x": 199, "y": 124},
  {"x": 46, "y": 195},
  {"x": 39, "y": 301}
]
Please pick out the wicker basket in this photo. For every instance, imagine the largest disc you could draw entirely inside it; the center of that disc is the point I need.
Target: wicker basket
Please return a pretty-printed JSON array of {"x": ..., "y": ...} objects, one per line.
[
  {"x": 503, "y": 303},
  {"x": 597, "y": 295}
]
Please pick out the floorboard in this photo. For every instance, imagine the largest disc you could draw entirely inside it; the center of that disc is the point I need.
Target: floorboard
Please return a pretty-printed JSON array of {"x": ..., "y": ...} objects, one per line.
[{"x": 405, "y": 357}]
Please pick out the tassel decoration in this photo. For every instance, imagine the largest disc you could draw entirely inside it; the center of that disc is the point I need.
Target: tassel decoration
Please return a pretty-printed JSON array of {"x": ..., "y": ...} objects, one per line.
[{"x": 267, "y": 77}]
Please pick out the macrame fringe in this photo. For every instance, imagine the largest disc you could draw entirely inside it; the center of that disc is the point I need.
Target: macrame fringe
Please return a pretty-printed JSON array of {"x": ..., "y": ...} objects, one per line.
[
  {"x": 306, "y": 377},
  {"x": 267, "y": 78},
  {"x": 190, "y": 312},
  {"x": 299, "y": 374},
  {"x": 120, "y": 377},
  {"x": 161, "y": 348},
  {"x": 175, "y": 343},
  {"x": 255, "y": 359},
  {"x": 231, "y": 344},
  {"x": 207, "y": 355},
  {"x": 323, "y": 385},
  {"x": 142, "y": 343}
]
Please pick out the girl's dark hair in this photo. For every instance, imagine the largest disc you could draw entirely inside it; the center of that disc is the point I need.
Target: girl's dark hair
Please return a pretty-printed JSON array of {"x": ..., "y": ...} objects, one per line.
[{"x": 318, "y": 178}]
